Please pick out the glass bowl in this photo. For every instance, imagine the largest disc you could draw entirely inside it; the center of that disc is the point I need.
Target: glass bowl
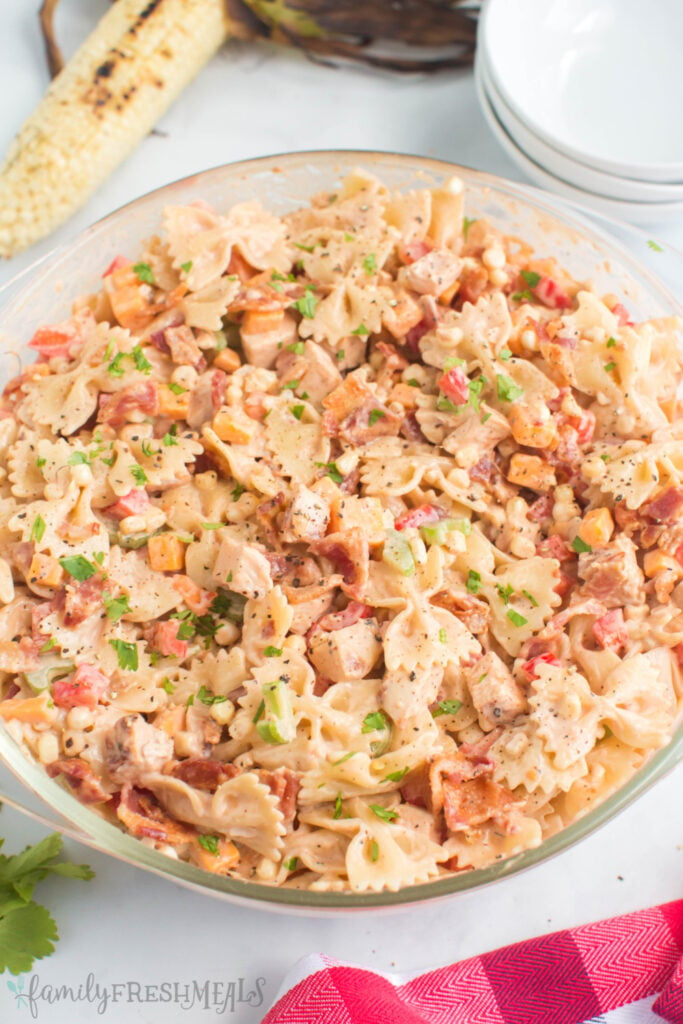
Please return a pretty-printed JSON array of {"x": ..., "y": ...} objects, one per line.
[{"x": 616, "y": 258}]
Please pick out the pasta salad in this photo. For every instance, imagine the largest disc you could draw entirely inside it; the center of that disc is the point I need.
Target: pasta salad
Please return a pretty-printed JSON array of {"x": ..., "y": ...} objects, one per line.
[{"x": 342, "y": 550}]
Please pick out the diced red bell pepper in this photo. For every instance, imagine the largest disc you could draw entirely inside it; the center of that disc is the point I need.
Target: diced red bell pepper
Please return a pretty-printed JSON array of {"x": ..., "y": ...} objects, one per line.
[
  {"x": 84, "y": 688},
  {"x": 610, "y": 630},
  {"x": 551, "y": 294},
  {"x": 165, "y": 639},
  {"x": 53, "y": 341},
  {"x": 532, "y": 664},
  {"x": 455, "y": 385},
  {"x": 564, "y": 584},
  {"x": 131, "y": 504},
  {"x": 420, "y": 516}
]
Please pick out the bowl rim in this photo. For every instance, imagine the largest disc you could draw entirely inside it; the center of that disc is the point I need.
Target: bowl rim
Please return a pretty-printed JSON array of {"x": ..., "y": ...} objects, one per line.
[{"x": 100, "y": 834}]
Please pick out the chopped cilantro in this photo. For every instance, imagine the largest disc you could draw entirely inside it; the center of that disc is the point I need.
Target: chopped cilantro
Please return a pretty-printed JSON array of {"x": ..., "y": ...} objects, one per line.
[
  {"x": 40, "y": 462},
  {"x": 138, "y": 474},
  {"x": 48, "y": 645},
  {"x": 78, "y": 567},
  {"x": 210, "y": 843},
  {"x": 375, "y": 721},
  {"x": 580, "y": 546},
  {"x": 467, "y": 223},
  {"x": 306, "y": 304},
  {"x": 383, "y": 813},
  {"x": 376, "y": 414},
  {"x": 446, "y": 707},
  {"x": 186, "y": 267},
  {"x": 127, "y": 654},
  {"x": 115, "y": 607},
  {"x": 168, "y": 686},
  {"x": 340, "y": 355},
  {"x": 609, "y": 367},
  {"x": 78, "y": 459},
  {"x": 170, "y": 439},
  {"x": 475, "y": 388},
  {"x": 413, "y": 383},
  {"x": 273, "y": 652},
  {"x": 346, "y": 757},
  {"x": 141, "y": 362},
  {"x": 331, "y": 470},
  {"x": 176, "y": 388},
  {"x": 473, "y": 581},
  {"x": 143, "y": 272},
  {"x": 115, "y": 368},
  {"x": 291, "y": 385},
  {"x": 361, "y": 329},
  {"x": 38, "y": 529},
  {"x": 531, "y": 277},
  {"x": 297, "y": 347},
  {"x": 304, "y": 248},
  {"x": 508, "y": 391},
  {"x": 237, "y": 492},
  {"x": 146, "y": 449},
  {"x": 370, "y": 263},
  {"x": 505, "y": 354},
  {"x": 611, "y": 342},
  {"x": 209, "y": 698}
]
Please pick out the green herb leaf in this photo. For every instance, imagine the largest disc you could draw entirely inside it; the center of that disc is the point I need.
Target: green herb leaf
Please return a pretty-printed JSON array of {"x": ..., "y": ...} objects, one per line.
[
  {"x": 40, "y": 462},
  {"x": 48, "y": 645},
  {"x": 515, "y": 618},
  {"x": 654, "y": 246},
  {"x": 374, "y": 850},
  {"x": 467, "y": 223},
  {"x": 297, "y": 347},
  {"x": 505, "y": 354},
  {"x": 143, "y": 272},
  {"x": 146, "y": 449},
  {"x": 304, "y": 248},
  {"x": 611, "y": 342},
  {"x": 370, "y": 263},
  {"x": 273, "y": 652},
  {"x": 443, "y": 635},
  {"x": 337, "y": 807},
  {"x": 375, "y": 414},
  {"x": 580, "y": 546},
  {"x": 115, "y": 607},
  {"x": 346, "y": 757},
  {"x": 475, "y": 388},
  {"x": 141, "y": 362},
  {"x": 531, "y": 277},
  {"x": 375, "y": 721},
  {"x": 383, "y": 813},
  {"x": 78, "y": 567},
  {"x": 138, "y": 474},
  {"x": 210, "y": 843},
  {"x": 212, "y": 526},
  {"x": 209, "y": 698},
  {"x": 237, "y": 492},
  {"x": 115, "y": 368},
  {"x": 168, "y": 686},
  {"x": 127, "y": 654},
  {"x": 505, "y": 593},
  {"x": 38, "y": 529},
  {"x": 446, "y": 707},
  {"x": 609, "y": 367},
  {"x": 290, "y": 864},
  {"x": 259, "y": 712},
  {"x": 306, "y": 304},
  {"x": 530, "y": 597},
  {"x": 413, "y": 383},
  {"x": 176, "y": 388},
  {"x": 508, "y": 391},
  {"x": 78, "y": 459},
  {"x": 361, "y": 330},
  {"x": 396, "y": 776},
  {"x": 297, "y": 411},
  {"x": 331, "y": 470},
  {"x": 473, "y": 582},
  {"x": 186, "y": 267}
]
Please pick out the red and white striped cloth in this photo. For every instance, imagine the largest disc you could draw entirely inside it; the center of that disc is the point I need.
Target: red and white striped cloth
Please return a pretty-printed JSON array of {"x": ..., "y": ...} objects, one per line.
[{"x": 627, "y": 970}]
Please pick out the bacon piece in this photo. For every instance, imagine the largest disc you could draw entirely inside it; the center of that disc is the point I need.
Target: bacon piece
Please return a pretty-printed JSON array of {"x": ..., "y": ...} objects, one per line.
[
  {"x": 462, "y": 786},
  {"x": 349, "y": 553},
  {"x": 555, "y": 547},
  {"x": 666, "y": 507},
  {"x": 455, "y": 386},
  {"x": 612, "y": 574},
  {"x": 371, "y": 420},
  {"x": 138, "y": 398},
  {"x": 85, "y": 688},
  {"x": 134, "y": 746},
  {"x": 471, "y": 611},
  {"x": 82, "y": 601},
  {"x": 393, "y": 359},
  {"x": 420, "y": 516},
  {"x": 131, "y": 504},
  {"x": 354, "y": 611},
  {"x": 587, "y": 606},
  {"x": 140, "y": 812},
  {"x": 410, "y": 252},
  {"x": 165, "y": 639},
  {"x": 202, "y": 773},
  {"x": 81, "y": 778},
  {"x": 541, "y": 509},
  {"x": 473, "y": 285},
  {"x": 564, "y": 584},
  {"x": 532, "y": 664},
  {"x": 183, "y": 347},
  {"x": 610, "y": 630},
  {"x": 206, "y": 397},
  {"x": 411, "y": 429},
  {"x": 551, "y": 294},
  {"x": 415, "y": 788},
  {"x": 283, "y": 784}
]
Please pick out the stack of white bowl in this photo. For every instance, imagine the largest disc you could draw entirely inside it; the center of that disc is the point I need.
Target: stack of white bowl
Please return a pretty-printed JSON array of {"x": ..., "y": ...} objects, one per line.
[{"x": 587, "y": 97}]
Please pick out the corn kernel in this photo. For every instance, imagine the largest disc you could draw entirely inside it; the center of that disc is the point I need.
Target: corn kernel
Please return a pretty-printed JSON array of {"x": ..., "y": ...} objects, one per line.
[
  {"x": 227, "y": 360},
  {"x": 229, "y": 428},
  {"x": 597, "y": 527},
  {"x": 223, "y": 712},
  {"x": 48, "y": 748},
  {"x": 532, "y": 472}
]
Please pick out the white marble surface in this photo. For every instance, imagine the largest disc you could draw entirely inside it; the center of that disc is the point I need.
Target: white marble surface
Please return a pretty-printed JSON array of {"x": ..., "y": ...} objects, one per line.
[{"x": 127, "y": 926}]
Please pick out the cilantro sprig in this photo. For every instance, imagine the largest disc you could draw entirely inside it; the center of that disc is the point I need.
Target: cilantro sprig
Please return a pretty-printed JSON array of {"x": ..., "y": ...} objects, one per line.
[{"x": 27, "y": 930}]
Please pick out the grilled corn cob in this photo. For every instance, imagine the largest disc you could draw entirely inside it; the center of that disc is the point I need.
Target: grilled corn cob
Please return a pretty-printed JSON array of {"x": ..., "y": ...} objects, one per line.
[{"x": 108, "y": 97}]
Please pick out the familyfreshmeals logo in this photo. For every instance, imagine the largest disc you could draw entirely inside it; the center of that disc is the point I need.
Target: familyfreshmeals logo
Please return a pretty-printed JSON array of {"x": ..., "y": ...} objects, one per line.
[{"x": 221, "y": 997}]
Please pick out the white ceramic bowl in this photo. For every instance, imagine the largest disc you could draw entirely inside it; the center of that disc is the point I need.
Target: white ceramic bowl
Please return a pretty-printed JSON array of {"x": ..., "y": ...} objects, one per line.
[
  {"x": 601, "y": 82},
  {"x": 612, "y": 186},
  {"x": 648, "y": 214}
]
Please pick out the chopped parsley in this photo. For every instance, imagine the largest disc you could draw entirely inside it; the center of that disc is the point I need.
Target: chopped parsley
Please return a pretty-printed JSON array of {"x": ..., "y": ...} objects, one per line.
[
  {"x": 48, "y": 645},
  {"x": 78, "y": 459},
  {"x": 168, "y": 686},
  {"x": 508, "y": 391},
  {"x": 143, "y": 272},
  {"x": 209, "y": 698},
  {"x": 237, "y": 492},
  {"x": 361, "y": 329},
  {"x": 170, "y": 439},
  {"x": 473, "y": 582},
  {"x": 376, "y": 414},
  {"x": 115, "y": 368},
  {"x": 383, "y": 813},
  {"x": 38, "y": 529},
  {"x": 304, "y": 248},
  {"x": 370, "y": 263},
  {"x": 176, "y": 388},
  {"x": 290, "y": 864},
  {"x": 292, "y": 385},
  {"x": 78, "y": 567},
  {"x": 297, "y": 347},
  {"x": 127, "y": 654},
  {"x": 186, "y": 267},
  {"x": 374, "y": 721},
  {"x": 443, "y": 635},
  {"x": 505, "y": 593},
  {"x": 505, "y": 354},
  {"x": 40, "y": 462},
  {"x": 580, "y": 546},
  {"x": 611, "y": 342},
  {"x": 531, "y": 277},
  {"x": 475, "y": 388},
  {"x": 115, "y": 607},
  {"x": 297, "y": 411},
  {"x": 210, "y": 843},
  {"x": 306, "y": 304},
  {"x": 273, "y": 652},
  {"x": 609, "y": 367},
  {"x": 138, "y": 474},
  {"x": 515, "y": 618},
  {"x": 146, "y": 449},
  {"x": 331, "y": 470},
  {"x": 413, "y": 383},
  {"x": 141, "y": 362},
  {"x": 446, "y": 707}
]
